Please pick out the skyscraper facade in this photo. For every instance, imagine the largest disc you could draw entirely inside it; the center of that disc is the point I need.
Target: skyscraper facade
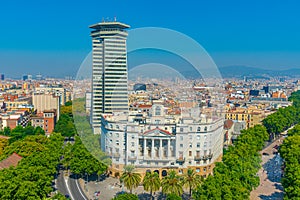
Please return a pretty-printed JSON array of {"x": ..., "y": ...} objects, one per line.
[{"x": 109, "y": 81}]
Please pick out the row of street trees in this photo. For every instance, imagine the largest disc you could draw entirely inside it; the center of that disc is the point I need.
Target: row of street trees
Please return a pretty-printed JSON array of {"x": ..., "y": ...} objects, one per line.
[
  {"x": 284, "y": 118},
  {"x": 236, "y": 176},
  {"x": 290, "y": 152},
  {"x": 80, "y": 161},
  {"x": 172, "y": 184}
]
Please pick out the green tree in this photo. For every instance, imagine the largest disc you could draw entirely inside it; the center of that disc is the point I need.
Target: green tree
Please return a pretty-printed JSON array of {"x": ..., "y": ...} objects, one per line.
[
  {"x": 130, "y": 178},
  {"x": 126, "y": 196},
  {"x": 290, "y": 152},
  {"x": 65, "y": 126},
  {"x": 173, "y": 197},
  {"x": 32, "y": 178},
  {"x": 80, "y": 161},
  {"x": 172, "y": 184},
  {"x": 7, "y": 131},
  {"x": 151, "y": 182},
  {"x": 191, "y": 180}
]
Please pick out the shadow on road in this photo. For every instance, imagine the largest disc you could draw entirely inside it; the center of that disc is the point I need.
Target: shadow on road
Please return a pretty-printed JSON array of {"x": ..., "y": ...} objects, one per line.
[
  {"x": 273, "y": 196},
  {"x": 273, "y": 169}
]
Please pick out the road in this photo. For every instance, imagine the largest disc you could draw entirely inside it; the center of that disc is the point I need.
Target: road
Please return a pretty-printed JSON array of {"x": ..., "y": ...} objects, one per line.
[
  {"x": 60, "y": 183},
  {"x": 75, "y": 189},
  {"x": 69, "y": 185}
]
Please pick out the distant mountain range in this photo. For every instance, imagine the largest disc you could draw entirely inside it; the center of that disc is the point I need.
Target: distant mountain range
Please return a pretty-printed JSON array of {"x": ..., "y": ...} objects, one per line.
[{"x": 252, "y": 72}]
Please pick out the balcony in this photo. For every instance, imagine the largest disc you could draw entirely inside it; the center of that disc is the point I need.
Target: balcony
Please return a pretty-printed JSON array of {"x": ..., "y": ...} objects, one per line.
[
  {"x": 156, "y": 158},
  {"x": 206, "y": 157},
  {"x": 198, "y": 158},
  {"x": 132, "y": 157},
  {"x": 210, "y": 156},
  {"x": 180, "y": 160}
]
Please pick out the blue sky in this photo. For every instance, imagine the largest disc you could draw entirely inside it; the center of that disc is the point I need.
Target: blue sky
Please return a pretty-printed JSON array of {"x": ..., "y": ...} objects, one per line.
[{"x": 52, "y": 37}]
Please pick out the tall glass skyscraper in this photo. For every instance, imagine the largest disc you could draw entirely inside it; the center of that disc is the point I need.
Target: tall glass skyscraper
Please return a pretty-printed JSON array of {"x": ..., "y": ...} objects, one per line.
[{"x": 109, "y": 82}]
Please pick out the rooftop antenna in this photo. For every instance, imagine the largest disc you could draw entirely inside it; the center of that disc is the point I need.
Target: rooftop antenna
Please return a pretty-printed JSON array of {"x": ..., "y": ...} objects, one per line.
[{"x": 115, "y": 18}]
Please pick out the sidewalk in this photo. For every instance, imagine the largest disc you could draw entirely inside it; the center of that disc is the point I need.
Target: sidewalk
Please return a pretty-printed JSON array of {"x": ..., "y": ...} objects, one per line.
[{"x": 270, "y": 175}]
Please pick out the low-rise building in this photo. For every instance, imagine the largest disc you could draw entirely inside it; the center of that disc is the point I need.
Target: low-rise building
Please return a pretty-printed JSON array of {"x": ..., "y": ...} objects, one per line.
[
  {"x": 159, "y": 142},
  {"x": 46, "y": 120}
]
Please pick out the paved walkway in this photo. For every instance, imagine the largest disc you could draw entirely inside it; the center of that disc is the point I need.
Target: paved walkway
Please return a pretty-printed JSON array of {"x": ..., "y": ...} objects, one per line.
[
  {"x": 270, "y": 187},
  {"x": 111, "y": 186}
]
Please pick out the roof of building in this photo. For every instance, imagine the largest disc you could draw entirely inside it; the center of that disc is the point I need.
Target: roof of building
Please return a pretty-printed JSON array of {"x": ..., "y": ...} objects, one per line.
[
  {"x": 228, "y": 124},
  {"x": 159, "y": 130},
  {"x": 144, "y": 106},
  {"x": 4, "y": 137},
  {"x": 12, "y": 160},
  {"x": 113, "y": 24}
]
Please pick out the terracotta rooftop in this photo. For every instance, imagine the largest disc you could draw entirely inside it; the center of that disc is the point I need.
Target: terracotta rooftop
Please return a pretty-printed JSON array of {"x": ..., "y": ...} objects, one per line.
[
  {"x": 12, "y": 160},
  {"x": 166, "y": 132},
  {"x": 228, "y": 124},
  {"x": 4, "y": 137},
  {"x": 144, "y": 106}
]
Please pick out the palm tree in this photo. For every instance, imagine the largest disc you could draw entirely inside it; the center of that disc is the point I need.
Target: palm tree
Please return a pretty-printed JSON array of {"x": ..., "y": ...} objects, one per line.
[
  {"x": 172, "y": 184},
  {"x": 130, "y": 178},
  {"x": 151, "y": 182},
  {"x": 191, "y": 180}
]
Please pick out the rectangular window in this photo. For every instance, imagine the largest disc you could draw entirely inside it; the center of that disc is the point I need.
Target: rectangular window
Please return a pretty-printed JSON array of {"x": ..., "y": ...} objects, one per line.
[{"x": 190, "y": 153}]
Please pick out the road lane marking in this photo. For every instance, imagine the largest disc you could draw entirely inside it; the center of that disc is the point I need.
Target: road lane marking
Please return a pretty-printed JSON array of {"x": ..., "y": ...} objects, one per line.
[{"x": 79, "y": 189}]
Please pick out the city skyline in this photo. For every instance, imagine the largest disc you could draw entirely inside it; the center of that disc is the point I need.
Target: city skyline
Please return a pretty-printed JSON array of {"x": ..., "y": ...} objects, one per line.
[{"x": 263, "y": 35}]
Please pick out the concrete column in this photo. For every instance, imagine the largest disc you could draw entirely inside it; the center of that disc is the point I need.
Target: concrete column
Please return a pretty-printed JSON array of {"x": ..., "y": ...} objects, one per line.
[
  {"x": 169, "y": 148},
  {"x": 145, "y": 149},
  {"x": 152, "y": 149},
  {"x": 160, "y": 148}
]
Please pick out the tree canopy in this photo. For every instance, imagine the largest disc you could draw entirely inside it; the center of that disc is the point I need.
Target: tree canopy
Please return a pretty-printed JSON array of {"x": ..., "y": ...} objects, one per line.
[
  {"x": 235, "y": 177},
  {"x": 290, "y": 152},
  {"x": 32, "y": 178},
  {"x": 80, "y": 161}
]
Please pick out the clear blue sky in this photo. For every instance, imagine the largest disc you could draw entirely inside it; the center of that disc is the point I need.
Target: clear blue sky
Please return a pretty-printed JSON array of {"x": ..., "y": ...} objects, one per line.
[{"x": 52, "y": 37}]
